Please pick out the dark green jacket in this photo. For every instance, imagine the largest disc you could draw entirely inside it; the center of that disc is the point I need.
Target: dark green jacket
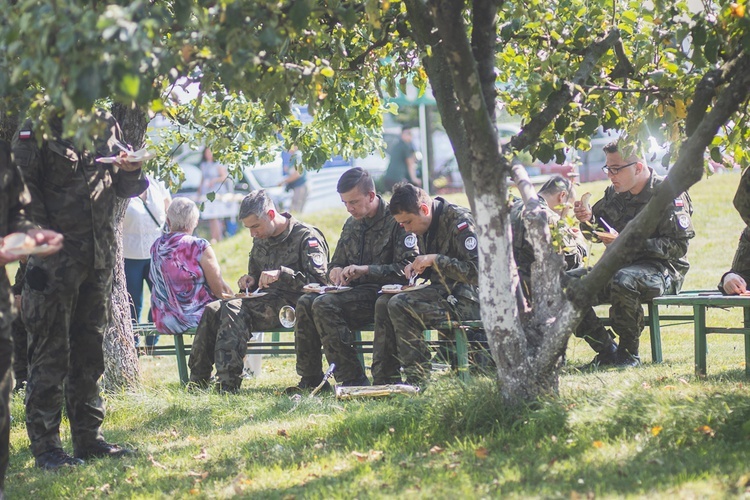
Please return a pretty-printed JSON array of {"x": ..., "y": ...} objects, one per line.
[
  {"x": 74, "y": 194},
  {"x": 300, "y": 252},
  {"x": 452, "y": 236},
  {"x": 668, "y": 245},
  {"x": 378, "y": 242}
]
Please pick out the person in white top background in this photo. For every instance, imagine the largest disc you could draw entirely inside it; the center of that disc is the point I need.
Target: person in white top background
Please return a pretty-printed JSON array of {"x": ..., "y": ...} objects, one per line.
[{"x": 143, "y": 224}]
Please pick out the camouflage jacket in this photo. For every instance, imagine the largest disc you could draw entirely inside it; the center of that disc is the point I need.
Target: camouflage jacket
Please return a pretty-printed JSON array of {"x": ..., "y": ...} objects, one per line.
[
  {"x": 379, "y": 242},
  {"x": 742, "y": 197},
  {"x": 300, "y": 252},
  {"x": 668, "y": 244},
  {"x": 452, "y": 236},
  {"x": 13, "y": 196},
  {"x": 74, "y": 194},
  {"x": 574, "y": 244},
  {"x": 741, "y": 262}
]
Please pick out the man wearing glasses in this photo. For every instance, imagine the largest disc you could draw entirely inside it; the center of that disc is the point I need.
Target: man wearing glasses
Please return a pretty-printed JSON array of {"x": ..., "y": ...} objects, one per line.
[{"x": 658, "y": 267}]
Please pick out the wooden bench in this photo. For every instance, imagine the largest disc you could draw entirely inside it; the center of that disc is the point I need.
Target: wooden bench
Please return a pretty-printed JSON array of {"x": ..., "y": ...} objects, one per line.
[
  {"x": 277, "y": 347},
  {"x": 700, "y": 301}
]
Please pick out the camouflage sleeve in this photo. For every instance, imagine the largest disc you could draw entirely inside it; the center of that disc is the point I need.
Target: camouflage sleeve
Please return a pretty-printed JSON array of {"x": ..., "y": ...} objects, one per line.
[
  {"x": 28, "y": 157},
  {"x": 341, "y": 254},
  {"x": 253, "y": 269},
  {"x": 597, "y": 211},
  {"x": 313, "y": 257},
  {"x": 741, "y": 261},
  {"x": 404, "y": 251},
  {"x": 673, "y": 233},
  {"x": 463, "y": 266}
]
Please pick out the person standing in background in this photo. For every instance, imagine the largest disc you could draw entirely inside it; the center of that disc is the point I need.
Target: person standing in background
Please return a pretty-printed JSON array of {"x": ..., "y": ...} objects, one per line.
[
  {"x": 215, "y": 180},
  {"x": 144, "y": 223},
  {"x": 295, "y": 178},
  {"x": 403, "y": 164}
]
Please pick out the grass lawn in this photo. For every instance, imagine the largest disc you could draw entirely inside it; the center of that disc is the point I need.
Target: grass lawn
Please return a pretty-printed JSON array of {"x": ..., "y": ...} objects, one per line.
[{"x": 646, "y": 432}]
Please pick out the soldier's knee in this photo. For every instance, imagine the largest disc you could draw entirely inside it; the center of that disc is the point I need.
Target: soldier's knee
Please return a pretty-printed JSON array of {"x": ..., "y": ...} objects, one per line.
[
  {"x": 398, "y": 304},
  {"x": 624, "y": 282},
  {"x": 305, "y": 302}
]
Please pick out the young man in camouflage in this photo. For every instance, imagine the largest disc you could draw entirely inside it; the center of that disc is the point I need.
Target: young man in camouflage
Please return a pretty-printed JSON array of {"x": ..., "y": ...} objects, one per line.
[
  {"x": 554, "y": 196},
  {"x": 67, "y": 296},
  {"x": 372, "y": 251},
  {"x": 658, "y": 267},
  {"x": 13, "y": 197},
  {"x": 286, "y": 255},
  {"x": 448, "y": 244}
]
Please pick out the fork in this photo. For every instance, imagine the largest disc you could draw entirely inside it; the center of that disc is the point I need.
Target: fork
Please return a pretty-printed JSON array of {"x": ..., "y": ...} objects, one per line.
[{"x": 121, "y": 145}]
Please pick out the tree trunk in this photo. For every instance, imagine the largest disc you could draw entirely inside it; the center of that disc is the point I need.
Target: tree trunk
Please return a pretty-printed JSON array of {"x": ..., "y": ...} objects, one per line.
[
  {"x": 121, "y": 368},
  {"x": 8, "y": 123}
]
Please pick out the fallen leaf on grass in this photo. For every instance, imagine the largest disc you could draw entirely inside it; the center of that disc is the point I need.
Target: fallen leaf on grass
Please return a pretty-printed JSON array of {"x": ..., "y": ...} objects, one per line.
[
  {"x": 684, "y": 381},
  {"x": 282, "y": 433},
  {"x": 453, "y": 465},
  {"x": 646, "y": 385},
  {"x": 669, "y": 388},
  {"x": 155, "y": 463},
  {"x": 481, "y": 453},
  {"x": 704, "y": 429},
  {"x": 199, "y": 475},
  {"x": 105, "y": 488},
  {"x": 362, "y": 457},
  {"x": 436, "y": 450},
  {"x": 372, "y": 455},
  {"x": 655, "y": 430},
  {"x": 202, "y": 455},
  {"x": 597, "y": 444},
  {"x": 195, "y": 491},
  {"x": 743, "y": 482}
]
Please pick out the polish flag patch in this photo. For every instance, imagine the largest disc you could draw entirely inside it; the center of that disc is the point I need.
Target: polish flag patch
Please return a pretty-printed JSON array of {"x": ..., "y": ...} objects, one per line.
[
  {"x": 312, "y": 243},
  {"x": 462, "y": 225},
  {"x": 678, "y": 202},
  {"x": 24, "y": 135}
]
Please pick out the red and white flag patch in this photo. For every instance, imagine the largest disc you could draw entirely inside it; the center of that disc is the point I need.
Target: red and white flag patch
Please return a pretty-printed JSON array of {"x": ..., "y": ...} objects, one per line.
[
  {"x": 678, "y": 202},
  {"x": 24, "y": 135},
  {"x": 312, "y": 243},
  {"x": 462, "y": 225}
]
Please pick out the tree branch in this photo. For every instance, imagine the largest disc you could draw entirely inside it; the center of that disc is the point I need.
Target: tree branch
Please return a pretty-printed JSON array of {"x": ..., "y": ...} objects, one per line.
[
  {"x": 558, "y": 100},
  {"x": 483, "y": 41},
  {"x": 357, "y": 61}
]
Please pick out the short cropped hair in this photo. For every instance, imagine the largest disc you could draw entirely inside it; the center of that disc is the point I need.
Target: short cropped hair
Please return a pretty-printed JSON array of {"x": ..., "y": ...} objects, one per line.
[
  {"x": 182, "y": 214},
  {"x": 555, "y": 185},
  {"x": 407, "y": 198},
  {"x": 613, "y": 147},
  {"x": 356, "y": 177},
  {"x": 257, "y": 203}
]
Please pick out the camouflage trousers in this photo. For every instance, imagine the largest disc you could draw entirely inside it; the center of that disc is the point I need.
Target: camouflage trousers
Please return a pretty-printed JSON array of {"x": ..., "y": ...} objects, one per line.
[
  {"x": 6, "y": 354},
  {"x": 66, "y": 308},
  {"x": 20, "y": 350},
  {"x": 400, "y": 321},
  {"x": 222, "y": 335},
  {"x": 329, "y": 320},
  {"x": 628, "y": 289}
]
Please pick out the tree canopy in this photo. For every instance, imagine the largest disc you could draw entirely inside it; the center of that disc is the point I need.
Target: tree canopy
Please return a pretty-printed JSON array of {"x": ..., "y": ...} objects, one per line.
[{"x": 563, "y": 67}]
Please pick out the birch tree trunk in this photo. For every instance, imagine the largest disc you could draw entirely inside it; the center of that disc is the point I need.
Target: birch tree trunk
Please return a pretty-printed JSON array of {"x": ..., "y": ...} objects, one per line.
[{"x": 121, "y": 368}]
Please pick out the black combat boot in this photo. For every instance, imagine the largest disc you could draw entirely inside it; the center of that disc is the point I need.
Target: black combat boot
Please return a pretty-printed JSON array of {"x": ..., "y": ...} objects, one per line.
[
  {"x": 627, "y": 354},
  {"x": 55, "y": 459},
  {"x": 101, "y": 448},
  {"x": 358, "y": 382},
  {"x": 607, "y": 356},
  {"x": 309, "y": 383}
]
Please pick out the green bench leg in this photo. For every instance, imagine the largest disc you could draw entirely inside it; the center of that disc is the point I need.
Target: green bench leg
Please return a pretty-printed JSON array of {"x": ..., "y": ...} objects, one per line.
[
  {"x": 179, "y": 347},
  {"x": 699, "y": 313},
  {"x": 655, "y": 329},
  {"x": 462, "y": 353},
  {"x": 275, "y": 337},
  {"x": 747, "y": 341},
  {"x": 360, "y": 354}
]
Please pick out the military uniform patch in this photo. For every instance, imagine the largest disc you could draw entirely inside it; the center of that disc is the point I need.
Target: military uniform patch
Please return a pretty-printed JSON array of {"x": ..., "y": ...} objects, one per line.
[
  {"x": 684, "y": 221},
  {"x": 312, "y": 243},
  {"x": 317, "y": 259},
  {"x": 470, "y": 243},
  {"x": 24, "y": 135},
  {"x": 678, "y": 202},
  {"x": 462, "y": 225},
  {"x": 410, "y": 241}
]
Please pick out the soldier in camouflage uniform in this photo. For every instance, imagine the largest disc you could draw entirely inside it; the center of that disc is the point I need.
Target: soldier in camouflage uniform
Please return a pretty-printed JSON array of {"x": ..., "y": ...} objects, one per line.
[
  {"x": 554, "y": 197},
  {"x": 13, "y": 197},
  {"x": 67, "y": 296},
  {"x": 286, "y": 255},
  {"x": 372, "y": 251},
  {"x": 448, "y": 243},
  {"x": 657, "y": 268},
  {"x": 734, "y": 282}
]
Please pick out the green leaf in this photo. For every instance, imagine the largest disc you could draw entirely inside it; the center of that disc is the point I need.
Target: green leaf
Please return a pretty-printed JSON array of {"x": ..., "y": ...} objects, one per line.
[
  {"x": 130, "y": 85},
  {"x": 716, "y": 154},
  {"x": 211, "y": 196},
  {"x": 327, "y": 72}
]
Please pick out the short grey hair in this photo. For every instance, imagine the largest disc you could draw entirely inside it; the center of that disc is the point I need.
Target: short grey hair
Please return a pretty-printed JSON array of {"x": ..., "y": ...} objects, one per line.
[
  {"x": 257, "y": 203},
  {"x": 183, "y": 214}
]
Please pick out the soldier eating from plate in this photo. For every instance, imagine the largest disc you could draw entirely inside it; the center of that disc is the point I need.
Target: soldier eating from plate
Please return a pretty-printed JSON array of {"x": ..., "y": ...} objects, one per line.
[
  {"x": 447, "y": 240},
  {"x": 286, "y": 255}
]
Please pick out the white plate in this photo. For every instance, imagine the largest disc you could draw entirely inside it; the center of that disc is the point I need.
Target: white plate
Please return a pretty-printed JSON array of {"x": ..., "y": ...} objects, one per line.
[
  {"x": 249, "y": 295},
  {"x": 134, "y": 157},
  {"x": 317, "y": 288},
  {"x": 14, "y": 245}
]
